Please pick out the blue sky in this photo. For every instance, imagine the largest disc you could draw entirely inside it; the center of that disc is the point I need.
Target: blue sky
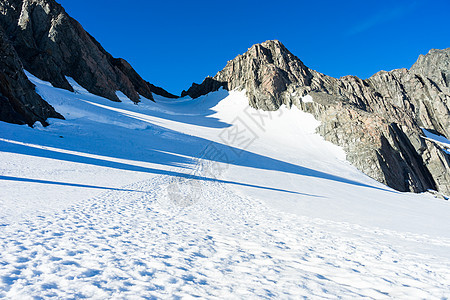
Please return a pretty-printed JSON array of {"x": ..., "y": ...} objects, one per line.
[{"x": 173, "y": 43}]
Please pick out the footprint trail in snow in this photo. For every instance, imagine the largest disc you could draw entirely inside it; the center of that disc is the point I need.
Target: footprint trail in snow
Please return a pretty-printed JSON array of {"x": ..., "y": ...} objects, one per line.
[{"x": 185, "y": 237}]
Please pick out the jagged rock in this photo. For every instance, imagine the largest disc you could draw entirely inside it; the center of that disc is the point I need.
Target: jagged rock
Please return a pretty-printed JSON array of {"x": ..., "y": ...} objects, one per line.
[
  {"x": 209, "y": 84},
  {"x": 377, "y": 121},
  {"x": 19, "y": 103},
  {"x": 435, "y": 66},
  {"x": 52, "y": 45},
  {"x": 265, "y": 71},
  {"x": 428, "y": 83},
  {"x": 425, "y": 88}
]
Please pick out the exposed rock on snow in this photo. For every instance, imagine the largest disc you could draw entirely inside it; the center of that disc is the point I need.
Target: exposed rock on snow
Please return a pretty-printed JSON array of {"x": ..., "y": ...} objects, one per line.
[
  {"x": 375, "y": 120},
  {"x": 264, "y": 71},
  {"x": 19, "y": 103},
  {"x": 169, "y": 199},
  {"x": 52, "y": 45}
]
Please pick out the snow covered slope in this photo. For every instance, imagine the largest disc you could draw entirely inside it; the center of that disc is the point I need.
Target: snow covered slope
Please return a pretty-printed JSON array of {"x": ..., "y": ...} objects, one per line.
[{"x": 203, "y": 197}]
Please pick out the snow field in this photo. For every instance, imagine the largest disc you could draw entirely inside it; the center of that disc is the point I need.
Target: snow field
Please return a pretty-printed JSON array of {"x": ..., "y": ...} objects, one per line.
[
  {"x": 124, "y": 244},
  {"x": 204, "y": 198}
]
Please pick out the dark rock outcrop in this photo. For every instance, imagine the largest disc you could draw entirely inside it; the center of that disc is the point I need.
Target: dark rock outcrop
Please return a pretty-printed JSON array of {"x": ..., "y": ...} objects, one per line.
[
  {"x": 377, "y": 121},
  {"x": 208, "y": 85},
  {"x": 52, "y": 45},
  {"x": 19, "y": 103}
]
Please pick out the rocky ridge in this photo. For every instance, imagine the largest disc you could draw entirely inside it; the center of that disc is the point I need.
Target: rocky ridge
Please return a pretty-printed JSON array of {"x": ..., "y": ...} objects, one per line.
[
  {"x": 19, "y": 103},
  {"x": 52, "y": 45},
  {"x": 377, "y": 121}
]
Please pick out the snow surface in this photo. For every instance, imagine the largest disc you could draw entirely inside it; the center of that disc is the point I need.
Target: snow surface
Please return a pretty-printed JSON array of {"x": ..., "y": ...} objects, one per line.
[
  {"x": 203, "y": 198},
  {"x": 307, "y": 98},
  {"x": 438, "y": 139}
]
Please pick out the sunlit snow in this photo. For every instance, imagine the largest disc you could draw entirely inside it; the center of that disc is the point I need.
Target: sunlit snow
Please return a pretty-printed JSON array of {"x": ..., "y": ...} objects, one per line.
[
  {"x": 307, "y": 98},
  {"x": 204, "y": 198}
]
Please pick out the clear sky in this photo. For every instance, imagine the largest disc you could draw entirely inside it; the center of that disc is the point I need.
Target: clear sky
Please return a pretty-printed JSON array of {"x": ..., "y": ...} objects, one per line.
[{"x": 173, "y": 43}]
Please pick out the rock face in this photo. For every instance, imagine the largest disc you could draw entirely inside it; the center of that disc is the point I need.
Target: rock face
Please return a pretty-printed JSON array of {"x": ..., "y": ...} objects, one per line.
[
  {"x": 264, "y": 71},
  {"x": 51, "y": 45},
  {"x": 19, "y": 103},
  {"x": 377, "y": 121}
]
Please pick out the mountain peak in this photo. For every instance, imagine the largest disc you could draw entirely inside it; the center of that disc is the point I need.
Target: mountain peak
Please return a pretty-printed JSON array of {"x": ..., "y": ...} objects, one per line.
[
  {"x": 264, "y": 71},
  {"x": 271, "y": 44},
  {"x": 436, "y": 66},
  {"x": 270, "y": 51},
  {"x": 52, "y": 45},
  {"x": 383, "y": 113}
]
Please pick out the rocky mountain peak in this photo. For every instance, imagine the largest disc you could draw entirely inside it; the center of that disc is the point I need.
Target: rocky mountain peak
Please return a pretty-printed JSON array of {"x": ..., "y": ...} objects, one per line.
[
  {"x": 40, "y": 37},
  {"x": 435, "y": 65},
  {"x": 52, "y": 45},
  {"x": 271, "y": 52},
  {"x": 19, "y": 103},
  {"x": 377, "y": 121},
  {"x": 264, "y": 71}
]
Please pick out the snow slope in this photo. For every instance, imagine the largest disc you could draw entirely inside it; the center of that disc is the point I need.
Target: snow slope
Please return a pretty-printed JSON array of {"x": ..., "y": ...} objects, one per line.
[{"x": 204, "y": 198}]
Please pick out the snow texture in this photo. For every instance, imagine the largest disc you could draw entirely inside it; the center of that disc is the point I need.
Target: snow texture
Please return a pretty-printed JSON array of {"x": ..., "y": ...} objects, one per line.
[
  {"x": 307, "y": 98},
  {"x": 204, "y": 198}
]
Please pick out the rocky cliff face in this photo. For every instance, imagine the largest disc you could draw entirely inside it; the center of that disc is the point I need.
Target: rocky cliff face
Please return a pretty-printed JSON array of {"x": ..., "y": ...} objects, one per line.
[
  {"x": 377, "y": 121},
  {"x": 51, "y": 45},
  {"x": 19, "y": 103}
]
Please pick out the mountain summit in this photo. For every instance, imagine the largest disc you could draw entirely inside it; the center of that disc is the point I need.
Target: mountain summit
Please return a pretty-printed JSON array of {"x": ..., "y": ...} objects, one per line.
[
  {"x": 52, "y": 45},
  {"x": 381, "y": 122},
  {"x": 219, "y": 196},
  {"x": 377, "y": 121},
  {"x": 265, "y": 71}
]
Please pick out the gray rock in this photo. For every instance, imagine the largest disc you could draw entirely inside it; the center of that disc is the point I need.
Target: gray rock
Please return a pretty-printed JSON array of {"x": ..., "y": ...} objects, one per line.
[
  {"x": 377, "y": 121},
  {"x": 208, "y": 85},
  {"x": 52, "y": 45},
  {"x": 264, "y": 71}
]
